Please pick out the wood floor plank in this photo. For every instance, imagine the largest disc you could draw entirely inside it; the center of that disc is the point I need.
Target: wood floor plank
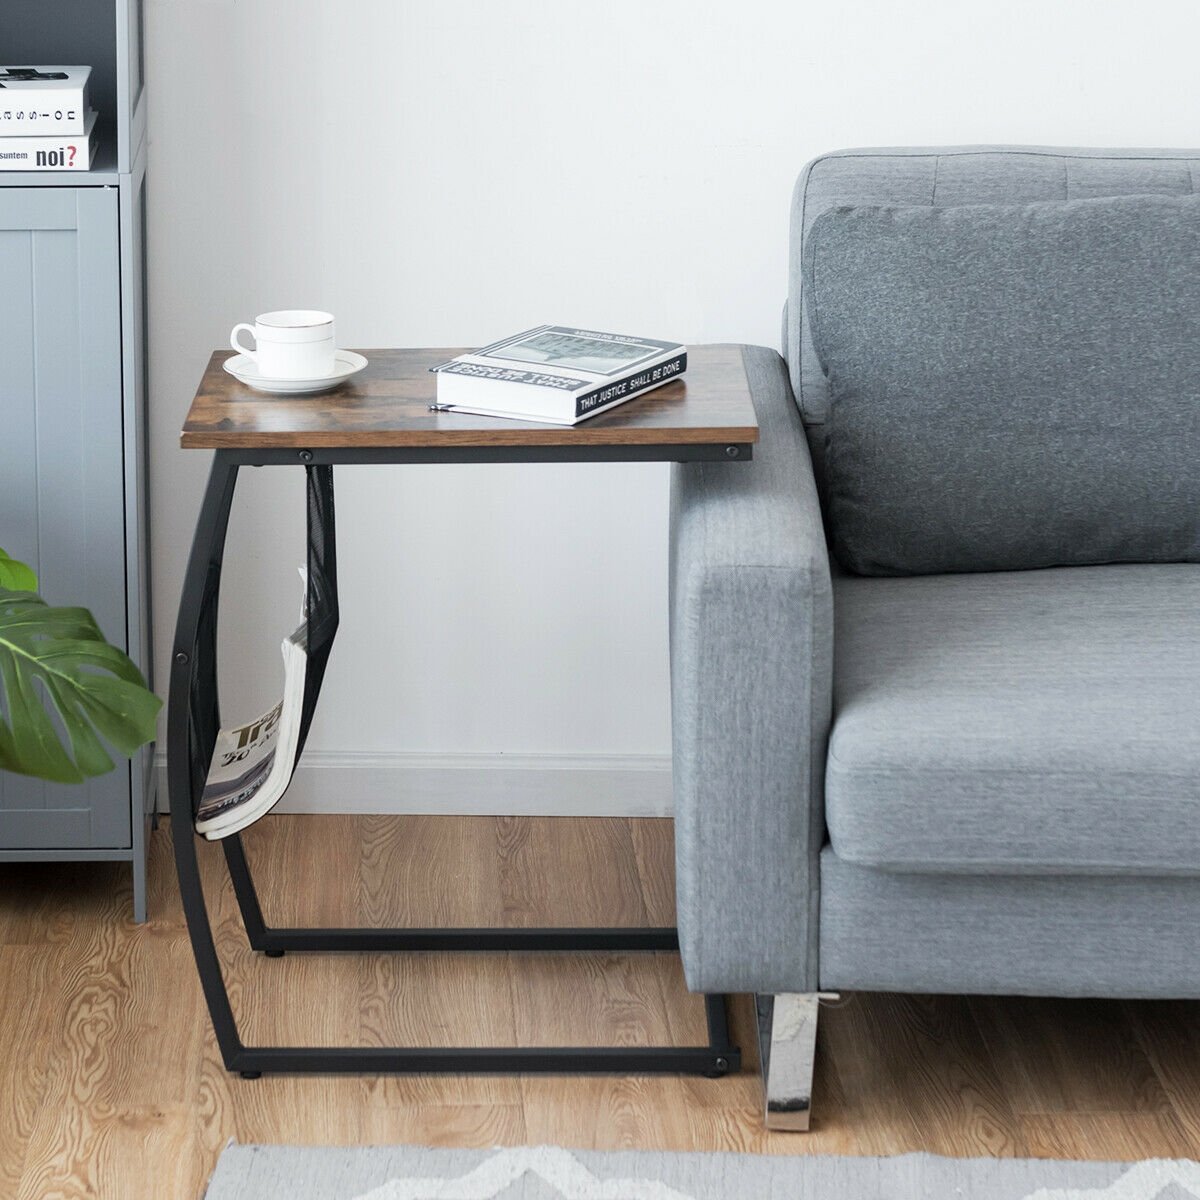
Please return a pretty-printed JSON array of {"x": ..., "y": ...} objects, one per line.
[
  {"x": 654, "y": 850},
  {"x": 31, "y": 987},
  {"x": 90, "y": 1041},
  {"x": 306, "y": 999},
  {"x": 588, "y": 871},
  {"x": 1111, "y": 1136},
  {"x": 42, "y": 901},
  {"x": 111, "y": 1084},
  {"x": 1063, "y": 1056},
  {"x": 425, "y": 1124},
  {"x": 588, "y": 999},
  {"x": 439, "y": 1000},
  {"x": 592, "y": 1112},
  {"x": 426, "y": 871},
  {"x": 916, "y": 1071},
  {"x": 297, "y": 888},
  {"x": 1168, "y": 1031}
]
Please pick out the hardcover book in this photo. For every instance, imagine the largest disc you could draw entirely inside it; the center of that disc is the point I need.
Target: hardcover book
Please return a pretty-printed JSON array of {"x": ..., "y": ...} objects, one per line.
[
  {"x": 51, "y": 151},
  {"x": 556, "y": 374},
  {"x": 35, "y": 101}
]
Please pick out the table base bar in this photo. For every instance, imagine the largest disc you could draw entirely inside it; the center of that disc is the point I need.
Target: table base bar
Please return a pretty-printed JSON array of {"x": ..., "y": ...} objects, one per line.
[{"x": 714, "y": 1060}]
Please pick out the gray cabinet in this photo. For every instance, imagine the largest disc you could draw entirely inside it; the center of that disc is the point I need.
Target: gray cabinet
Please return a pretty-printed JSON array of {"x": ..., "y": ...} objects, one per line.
[{"x": 72, "y": 408}]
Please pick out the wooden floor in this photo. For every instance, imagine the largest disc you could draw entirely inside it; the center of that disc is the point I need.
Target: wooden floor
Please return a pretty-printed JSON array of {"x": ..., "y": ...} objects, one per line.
[{"x": 110, "y": 1084}]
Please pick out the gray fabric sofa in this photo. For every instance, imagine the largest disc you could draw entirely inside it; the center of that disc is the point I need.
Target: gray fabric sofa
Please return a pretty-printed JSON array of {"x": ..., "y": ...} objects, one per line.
[{"x": 975, "y": 782}]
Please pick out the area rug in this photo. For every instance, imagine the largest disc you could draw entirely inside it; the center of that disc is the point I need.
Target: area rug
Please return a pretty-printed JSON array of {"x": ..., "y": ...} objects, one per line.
[{"x": 552, "y": 1173}]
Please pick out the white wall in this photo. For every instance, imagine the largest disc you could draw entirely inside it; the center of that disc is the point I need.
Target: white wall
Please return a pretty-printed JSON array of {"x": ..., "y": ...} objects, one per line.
[{"x": 441, "y": 172}]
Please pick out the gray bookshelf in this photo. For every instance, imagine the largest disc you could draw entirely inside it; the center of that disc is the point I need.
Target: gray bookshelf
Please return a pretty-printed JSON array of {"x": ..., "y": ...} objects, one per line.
[{"x": 73, "y": 404}]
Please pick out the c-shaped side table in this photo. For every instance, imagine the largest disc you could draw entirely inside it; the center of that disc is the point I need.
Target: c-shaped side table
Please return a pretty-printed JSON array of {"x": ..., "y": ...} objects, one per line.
[{"x": 383, "y": 416}]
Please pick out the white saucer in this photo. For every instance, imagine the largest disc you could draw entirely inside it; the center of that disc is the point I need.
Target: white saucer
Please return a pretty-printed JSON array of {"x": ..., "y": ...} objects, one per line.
[{"x": 245, "y": 370}]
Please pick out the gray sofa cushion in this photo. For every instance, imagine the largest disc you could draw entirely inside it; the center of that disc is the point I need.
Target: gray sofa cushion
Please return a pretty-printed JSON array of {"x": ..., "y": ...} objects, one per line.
[
  {"x": 946, "y": 175},
  {"x": 1033, "y": 721},
  {"x": 1011, "y": 386}
]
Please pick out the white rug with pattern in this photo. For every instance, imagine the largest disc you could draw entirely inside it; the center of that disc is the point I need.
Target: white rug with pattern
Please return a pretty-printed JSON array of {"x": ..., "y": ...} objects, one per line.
[{"x": 552, "y": 1173}]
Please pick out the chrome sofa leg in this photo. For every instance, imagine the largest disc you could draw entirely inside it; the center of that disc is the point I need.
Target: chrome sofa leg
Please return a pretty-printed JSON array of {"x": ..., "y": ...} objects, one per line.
[{"x": 787, "y": 1042}]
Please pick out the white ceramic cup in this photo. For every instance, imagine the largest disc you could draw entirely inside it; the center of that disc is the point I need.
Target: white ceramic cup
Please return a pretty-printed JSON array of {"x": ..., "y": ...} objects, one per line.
[{"x": 293, "y": 343}]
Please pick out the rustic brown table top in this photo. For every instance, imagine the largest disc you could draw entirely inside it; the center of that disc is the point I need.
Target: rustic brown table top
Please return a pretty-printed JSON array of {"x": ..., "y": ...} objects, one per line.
[{"x": 387, "y": 406}]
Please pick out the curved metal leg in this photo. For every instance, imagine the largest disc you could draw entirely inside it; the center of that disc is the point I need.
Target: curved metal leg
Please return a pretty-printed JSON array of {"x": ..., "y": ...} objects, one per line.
[{"x": 193, "y": 718}]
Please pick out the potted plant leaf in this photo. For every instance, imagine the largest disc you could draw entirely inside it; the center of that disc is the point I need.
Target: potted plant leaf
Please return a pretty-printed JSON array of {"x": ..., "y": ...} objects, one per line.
[{"x": 55, "y": 663}]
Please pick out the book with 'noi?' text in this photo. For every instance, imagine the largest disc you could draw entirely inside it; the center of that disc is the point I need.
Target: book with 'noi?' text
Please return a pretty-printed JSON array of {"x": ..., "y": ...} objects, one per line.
[{"x": 556, "y": 374}]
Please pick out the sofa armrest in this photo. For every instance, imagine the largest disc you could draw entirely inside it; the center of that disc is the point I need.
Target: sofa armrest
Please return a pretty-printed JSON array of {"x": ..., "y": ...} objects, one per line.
[{"x": 751, "y": 682}]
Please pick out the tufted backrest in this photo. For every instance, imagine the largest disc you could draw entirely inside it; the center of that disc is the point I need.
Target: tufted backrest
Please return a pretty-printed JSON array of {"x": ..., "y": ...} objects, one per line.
[{"x": 949, "y": 176}]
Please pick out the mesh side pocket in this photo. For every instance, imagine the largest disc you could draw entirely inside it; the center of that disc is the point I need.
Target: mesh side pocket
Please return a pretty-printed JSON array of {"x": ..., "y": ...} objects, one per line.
[{"x": 322, "y": 596}]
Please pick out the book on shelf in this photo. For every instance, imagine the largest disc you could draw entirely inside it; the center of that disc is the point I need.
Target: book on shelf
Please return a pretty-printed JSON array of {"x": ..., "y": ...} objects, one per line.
[
  {"x": 556, "y": 374},
  {"x": 51, "y": 151},
  {"x": 253, "y": 763},
  {"x": 39, "y": 100}
]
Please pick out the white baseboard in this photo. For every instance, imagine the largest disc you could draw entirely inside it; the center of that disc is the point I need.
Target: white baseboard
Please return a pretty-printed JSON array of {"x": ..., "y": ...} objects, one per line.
[{"x": 546, "y": 785}]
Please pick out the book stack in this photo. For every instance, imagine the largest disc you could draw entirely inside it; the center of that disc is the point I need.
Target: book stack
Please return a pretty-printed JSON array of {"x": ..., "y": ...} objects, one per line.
[{"x": 46, "y": 122}]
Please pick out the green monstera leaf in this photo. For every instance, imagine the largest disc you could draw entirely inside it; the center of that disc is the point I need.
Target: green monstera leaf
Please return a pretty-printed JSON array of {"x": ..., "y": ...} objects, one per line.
[
  {"x": 16, "y": 576},
  {"x": 58, "y": 657}
]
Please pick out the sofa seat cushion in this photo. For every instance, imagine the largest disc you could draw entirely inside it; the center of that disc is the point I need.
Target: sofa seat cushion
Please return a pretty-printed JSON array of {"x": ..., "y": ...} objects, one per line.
[{"x": 1032, "y": 721}]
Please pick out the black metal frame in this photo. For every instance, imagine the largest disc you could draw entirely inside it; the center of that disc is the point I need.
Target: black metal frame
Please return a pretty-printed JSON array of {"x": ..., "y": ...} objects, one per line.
[{"x": 193, "y": 721}]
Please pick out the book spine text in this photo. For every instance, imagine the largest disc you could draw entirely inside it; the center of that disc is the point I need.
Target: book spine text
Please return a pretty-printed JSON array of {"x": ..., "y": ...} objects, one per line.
[
  {"x": 29, "y": 114},
  {"x": 624, "y": 389}
]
